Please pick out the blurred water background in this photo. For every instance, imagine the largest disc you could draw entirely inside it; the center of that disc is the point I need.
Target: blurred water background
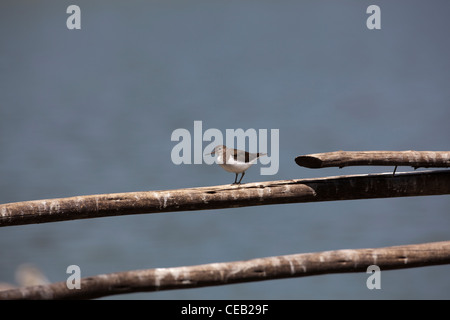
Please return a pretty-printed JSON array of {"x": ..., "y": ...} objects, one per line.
[{"x": 91, "y": 111}]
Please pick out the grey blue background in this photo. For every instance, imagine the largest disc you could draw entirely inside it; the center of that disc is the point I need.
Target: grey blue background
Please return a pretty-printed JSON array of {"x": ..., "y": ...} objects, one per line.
[{"x": 91, "y": 111}]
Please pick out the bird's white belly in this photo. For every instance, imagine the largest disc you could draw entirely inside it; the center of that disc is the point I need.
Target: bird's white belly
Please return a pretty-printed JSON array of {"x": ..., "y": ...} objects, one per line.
[
  {"x": 236, "y": 167},
  {"x": 232, "y": 165}
]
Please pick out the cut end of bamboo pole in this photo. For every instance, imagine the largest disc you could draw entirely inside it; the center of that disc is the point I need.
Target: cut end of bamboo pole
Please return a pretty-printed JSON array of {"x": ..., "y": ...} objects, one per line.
[{"x": 310, "y": 162}]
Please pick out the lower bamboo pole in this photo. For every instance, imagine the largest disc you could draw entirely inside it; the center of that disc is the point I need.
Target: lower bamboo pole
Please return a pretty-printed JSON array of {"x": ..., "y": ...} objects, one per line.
[{"x": 213, "y": 274}]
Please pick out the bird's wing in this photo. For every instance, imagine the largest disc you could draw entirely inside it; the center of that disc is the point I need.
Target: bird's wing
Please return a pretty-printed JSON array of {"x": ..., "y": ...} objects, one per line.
[{"x": 239, "y": 155}]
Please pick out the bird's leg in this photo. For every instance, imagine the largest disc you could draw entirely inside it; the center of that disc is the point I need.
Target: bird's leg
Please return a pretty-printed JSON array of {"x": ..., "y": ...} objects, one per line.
[
  {"x": 241, "y": 177},
  {"x": 235, "y": 179}
]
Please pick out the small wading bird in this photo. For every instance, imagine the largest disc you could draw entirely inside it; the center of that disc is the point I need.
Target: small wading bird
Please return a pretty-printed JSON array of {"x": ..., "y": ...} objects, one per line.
[{"x": 237, "y": 161}]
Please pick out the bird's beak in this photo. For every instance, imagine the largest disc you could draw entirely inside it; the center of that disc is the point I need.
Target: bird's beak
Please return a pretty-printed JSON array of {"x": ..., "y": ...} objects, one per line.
[{"x": 214, "y": 152}]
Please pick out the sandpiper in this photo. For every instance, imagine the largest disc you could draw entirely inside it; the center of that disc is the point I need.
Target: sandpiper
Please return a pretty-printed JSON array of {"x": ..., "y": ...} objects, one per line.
[{"x": 237, "y": 161}]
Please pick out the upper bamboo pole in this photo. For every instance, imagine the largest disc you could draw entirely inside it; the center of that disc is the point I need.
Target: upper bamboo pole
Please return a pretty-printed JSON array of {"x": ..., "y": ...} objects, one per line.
[
  {"x": 416, "y": 159},
  {"x": 278, "y": 267},
  {"x": 351, "y": 187}
]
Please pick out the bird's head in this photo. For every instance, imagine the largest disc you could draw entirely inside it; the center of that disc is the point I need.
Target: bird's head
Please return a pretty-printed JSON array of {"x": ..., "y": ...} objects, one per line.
[{"x": 218, "y": 149}]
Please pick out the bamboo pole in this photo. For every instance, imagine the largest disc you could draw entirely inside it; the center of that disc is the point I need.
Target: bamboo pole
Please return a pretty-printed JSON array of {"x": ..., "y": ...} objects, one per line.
[
  {"x": 213, "y": 274},
  {"x": 415, "y": 159},
  {"x": 350, "y": 187}
]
